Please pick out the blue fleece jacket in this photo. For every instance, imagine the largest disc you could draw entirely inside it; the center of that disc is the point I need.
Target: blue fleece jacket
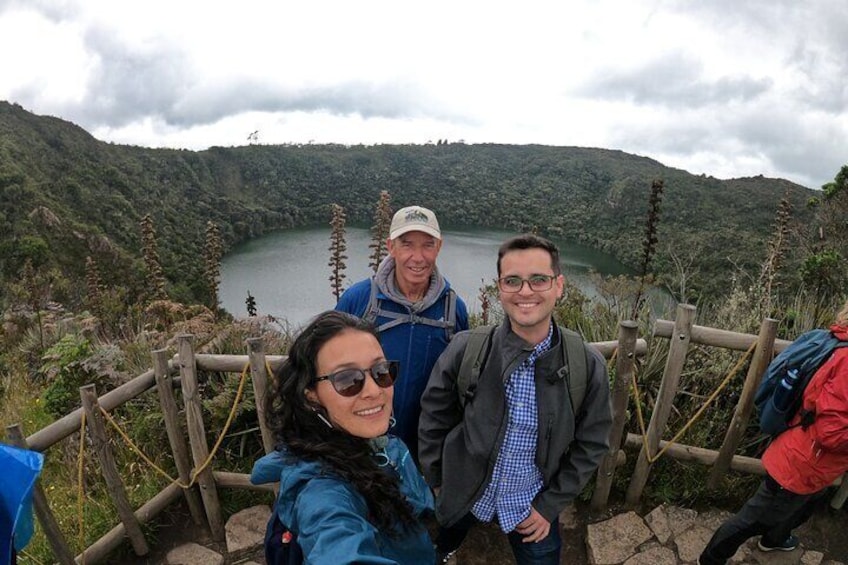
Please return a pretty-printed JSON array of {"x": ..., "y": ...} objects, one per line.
[
  {"x": 328, "y": 516},
  {"x": 416, "y": 346}
]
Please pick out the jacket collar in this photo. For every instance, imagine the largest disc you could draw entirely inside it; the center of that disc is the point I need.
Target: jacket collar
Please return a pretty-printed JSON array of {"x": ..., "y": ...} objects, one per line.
[
  {"x": 514, "y": 350},
  {"x": 840, "y": 332},
  {"x": 514, "y": 341}
]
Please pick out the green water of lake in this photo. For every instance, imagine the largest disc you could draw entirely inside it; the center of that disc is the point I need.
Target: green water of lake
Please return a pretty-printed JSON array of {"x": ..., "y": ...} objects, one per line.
[{"x": 287, "y": 271}]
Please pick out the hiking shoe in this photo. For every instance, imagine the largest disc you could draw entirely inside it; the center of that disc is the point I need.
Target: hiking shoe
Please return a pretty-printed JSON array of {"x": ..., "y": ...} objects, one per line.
[
  {"x": 789, "y": 544},
  {"x": 448, "y": 557}
]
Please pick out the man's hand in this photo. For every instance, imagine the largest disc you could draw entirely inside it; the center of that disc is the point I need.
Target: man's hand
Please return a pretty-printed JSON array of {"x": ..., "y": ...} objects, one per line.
[{"x": 534, "y": 527}]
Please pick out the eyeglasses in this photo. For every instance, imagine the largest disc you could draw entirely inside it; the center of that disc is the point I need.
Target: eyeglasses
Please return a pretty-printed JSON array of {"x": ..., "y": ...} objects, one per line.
[
  {"x": 351, "y": 381},
  {"x": 537, "y": 283}
]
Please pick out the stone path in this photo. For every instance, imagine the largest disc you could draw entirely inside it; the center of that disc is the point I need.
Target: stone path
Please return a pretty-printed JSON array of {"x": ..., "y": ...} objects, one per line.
[{"x": 668, "y": 535}]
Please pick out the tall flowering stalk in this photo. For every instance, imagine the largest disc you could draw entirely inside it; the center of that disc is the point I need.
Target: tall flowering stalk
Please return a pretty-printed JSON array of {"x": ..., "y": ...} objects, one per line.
[
  {"x": 155, "y": 275},
  {"x": 380, "y": 230},
  {"x": 337, "y": 249},
  {"x": 775, "y": 253},
  {"x": 93, "y": 286},
  {"x": 213, "y": 250},
  {"x": 649, "y": 244}
]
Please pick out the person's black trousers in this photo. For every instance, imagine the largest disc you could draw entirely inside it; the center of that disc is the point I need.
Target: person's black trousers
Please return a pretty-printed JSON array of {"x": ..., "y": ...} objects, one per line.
[{"x": 773, "y": 512}]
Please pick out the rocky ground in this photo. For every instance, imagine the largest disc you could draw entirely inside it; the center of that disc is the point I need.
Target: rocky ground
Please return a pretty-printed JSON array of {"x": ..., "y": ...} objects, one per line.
[{"x": 667, "y": 535}]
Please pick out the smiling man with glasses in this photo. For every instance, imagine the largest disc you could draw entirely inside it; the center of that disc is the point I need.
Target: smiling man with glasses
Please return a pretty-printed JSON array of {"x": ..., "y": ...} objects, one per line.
[{"x": 536, "y": 404}]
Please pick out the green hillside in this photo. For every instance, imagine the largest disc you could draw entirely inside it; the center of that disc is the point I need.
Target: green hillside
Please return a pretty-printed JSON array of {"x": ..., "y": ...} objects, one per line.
[{"x": 65, "y": 195}]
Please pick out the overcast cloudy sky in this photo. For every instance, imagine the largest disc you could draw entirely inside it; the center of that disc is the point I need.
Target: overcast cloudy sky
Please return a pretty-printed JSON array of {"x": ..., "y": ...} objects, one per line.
[{"x": 728, "y": 88}]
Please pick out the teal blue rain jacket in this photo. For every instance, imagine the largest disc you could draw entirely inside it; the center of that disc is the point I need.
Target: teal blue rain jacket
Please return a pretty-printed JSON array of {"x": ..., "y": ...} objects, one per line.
[{"x": 328, "y": 516}]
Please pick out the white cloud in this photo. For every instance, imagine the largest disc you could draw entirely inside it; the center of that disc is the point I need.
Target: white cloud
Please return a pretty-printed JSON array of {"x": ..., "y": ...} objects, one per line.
[
  {"x": 720, "y": 88},
  {"x": 43, "y": 62}
]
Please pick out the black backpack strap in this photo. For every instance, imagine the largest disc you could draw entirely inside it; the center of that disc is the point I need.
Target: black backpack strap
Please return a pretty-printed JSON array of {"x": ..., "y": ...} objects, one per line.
[
  {"x": 450, "y": 313},
  {"x": 476, "y": 351},
  {"x": 575, "y": 371}
]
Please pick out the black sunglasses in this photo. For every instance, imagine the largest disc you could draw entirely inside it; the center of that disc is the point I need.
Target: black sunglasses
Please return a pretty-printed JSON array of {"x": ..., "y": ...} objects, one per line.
[{"x": 351, "y": 381}]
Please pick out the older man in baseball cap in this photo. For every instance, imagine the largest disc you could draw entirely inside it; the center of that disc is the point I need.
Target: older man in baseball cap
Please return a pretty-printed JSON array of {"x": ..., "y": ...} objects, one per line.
[{"x": 415, "y": 310}]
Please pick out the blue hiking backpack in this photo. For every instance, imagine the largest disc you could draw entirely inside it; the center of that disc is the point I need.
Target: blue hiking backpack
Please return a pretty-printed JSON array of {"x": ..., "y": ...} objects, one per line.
[{"x": 804, "y": 355}]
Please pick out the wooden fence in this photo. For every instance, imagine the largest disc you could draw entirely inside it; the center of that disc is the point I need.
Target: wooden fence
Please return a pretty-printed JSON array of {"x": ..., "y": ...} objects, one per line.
[
  {"x": 682, "y": 333},
  {"x": 192, "y": 459},
  {"x": 202, "y": 498}
]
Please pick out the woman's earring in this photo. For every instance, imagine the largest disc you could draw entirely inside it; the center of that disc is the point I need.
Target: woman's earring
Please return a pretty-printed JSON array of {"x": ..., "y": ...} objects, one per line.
[
  {"x": 322, "y": 418},
  {"x": 392, "y": 422}
]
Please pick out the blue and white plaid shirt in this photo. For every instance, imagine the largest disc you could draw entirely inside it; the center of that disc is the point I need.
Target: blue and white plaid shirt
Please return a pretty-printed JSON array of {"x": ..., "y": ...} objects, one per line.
[{"x": 516, "y": 479}]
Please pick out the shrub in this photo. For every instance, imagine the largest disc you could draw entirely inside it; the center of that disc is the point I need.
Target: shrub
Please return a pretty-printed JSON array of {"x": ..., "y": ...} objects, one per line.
[{"x": 69, "y": 364}]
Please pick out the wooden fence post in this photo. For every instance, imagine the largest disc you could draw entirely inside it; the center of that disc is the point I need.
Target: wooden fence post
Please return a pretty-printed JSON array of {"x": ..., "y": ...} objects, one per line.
[
  {"x": 762, "y": 357},
  {"x": 197, "y": 436},
  {"x": 665, "y": 399},
  {"x": 259, "y": 376},
  {"x": 624, "y": 364},
  {"x": 176, "y": 437},
  {"x": 114, "y": 484},
  {"x": 61, "y": 550}
]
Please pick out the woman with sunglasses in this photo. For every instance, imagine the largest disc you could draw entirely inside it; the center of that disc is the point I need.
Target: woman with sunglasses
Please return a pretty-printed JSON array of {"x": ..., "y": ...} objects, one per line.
[{"x": 349, "y": 493}]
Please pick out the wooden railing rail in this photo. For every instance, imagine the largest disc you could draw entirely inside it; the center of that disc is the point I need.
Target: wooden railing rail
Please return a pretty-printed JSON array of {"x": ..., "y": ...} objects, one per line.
[{"x": 52, "y": 434}]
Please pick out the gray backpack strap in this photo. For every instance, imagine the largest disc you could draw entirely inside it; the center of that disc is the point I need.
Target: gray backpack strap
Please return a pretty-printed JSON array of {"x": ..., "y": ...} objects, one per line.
[
  {"x": 475, "y": 353},
  {"x": 418, "y": 319},
  {"x": 448, "y": 320},
  {"x": 395, "y": 319},
  {"x": 374, "y": 311},
  {"x": 370, "y": 314},
  {"x": 575, "y": 371}
]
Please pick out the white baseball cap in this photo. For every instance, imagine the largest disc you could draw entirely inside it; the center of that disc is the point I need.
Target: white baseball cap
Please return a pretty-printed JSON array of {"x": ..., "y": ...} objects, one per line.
[{"x": 414, "y": 218}]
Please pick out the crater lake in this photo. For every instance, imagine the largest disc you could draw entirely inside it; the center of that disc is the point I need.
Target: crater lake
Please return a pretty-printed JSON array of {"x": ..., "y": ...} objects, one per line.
[{"x": 287, "y": 272}]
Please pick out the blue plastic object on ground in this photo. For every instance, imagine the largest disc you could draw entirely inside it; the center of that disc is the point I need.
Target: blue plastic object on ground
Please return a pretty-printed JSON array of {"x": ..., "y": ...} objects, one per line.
[{"x": 20, "y": 468}]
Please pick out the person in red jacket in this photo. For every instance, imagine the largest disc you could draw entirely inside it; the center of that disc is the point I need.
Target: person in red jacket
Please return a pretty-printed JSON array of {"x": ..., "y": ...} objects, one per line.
[{"x": 800, "y": 464}]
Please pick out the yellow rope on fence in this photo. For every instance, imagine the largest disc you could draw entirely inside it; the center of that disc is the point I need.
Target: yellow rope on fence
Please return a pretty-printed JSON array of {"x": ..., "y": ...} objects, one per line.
[
  {"x": 724, "y": 383},
  {"x": 138, "y": 451},
  {"x": 211, "y": 455},
  {"x": 230, "y": 419},
  {"x": 134, "y": 447}
]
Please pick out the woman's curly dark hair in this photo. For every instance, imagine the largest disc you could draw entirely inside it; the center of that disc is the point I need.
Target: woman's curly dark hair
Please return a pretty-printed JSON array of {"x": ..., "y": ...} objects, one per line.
[{"x": 293, "y": 420}]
